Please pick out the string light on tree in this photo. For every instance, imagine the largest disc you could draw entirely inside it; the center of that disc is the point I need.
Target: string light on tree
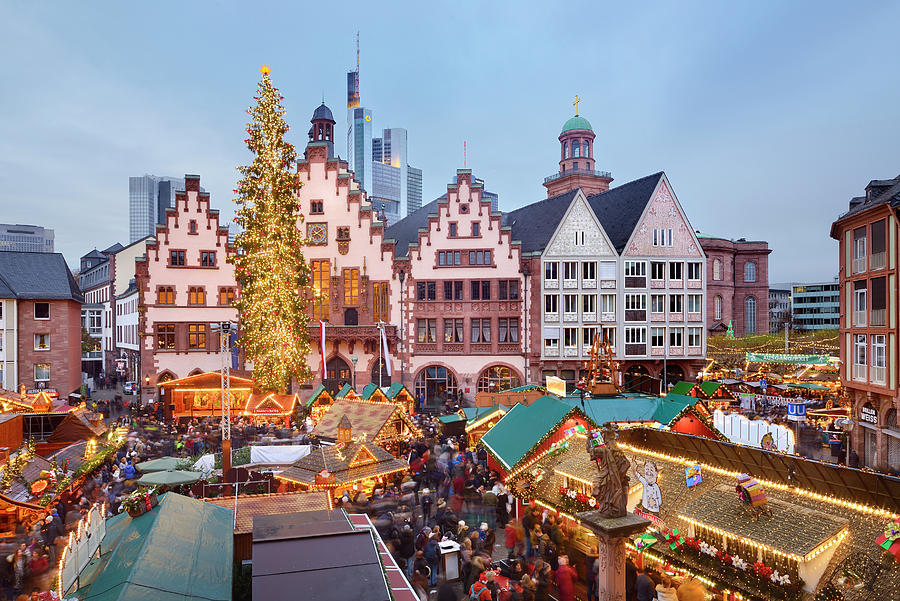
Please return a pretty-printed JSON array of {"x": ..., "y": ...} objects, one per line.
[{"x": 271, "y": 270}]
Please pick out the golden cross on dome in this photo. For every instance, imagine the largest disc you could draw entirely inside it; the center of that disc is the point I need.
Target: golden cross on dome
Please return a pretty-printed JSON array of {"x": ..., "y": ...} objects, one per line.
[
  {"x": 577, "y": 100},
  {"x": 265, "y": 70}
]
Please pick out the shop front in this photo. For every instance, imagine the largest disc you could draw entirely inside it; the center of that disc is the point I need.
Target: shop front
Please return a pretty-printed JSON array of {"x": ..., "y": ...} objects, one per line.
[{"x": 200, "y": 396}]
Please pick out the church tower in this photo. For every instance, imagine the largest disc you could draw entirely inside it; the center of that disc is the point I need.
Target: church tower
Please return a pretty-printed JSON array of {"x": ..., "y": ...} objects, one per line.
[
  {"x": 576, "y": 160},
  {"x": 322, "y": 129}
]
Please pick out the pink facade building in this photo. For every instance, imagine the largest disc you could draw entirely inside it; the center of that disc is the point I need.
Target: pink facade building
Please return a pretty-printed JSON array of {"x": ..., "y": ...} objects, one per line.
[
  {"x": 737, "y": 275},
  {"x": 185, "y": 287}
]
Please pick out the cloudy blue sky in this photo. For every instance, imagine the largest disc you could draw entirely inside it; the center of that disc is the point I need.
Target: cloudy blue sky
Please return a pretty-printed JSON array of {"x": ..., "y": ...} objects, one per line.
[{"x": 767, "y": 116}]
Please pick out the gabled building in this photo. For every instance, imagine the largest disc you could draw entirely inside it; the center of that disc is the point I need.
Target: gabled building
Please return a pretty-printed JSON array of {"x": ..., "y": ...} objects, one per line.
[
  {"x": 868, "y": 259},
  {"x": 186, "y": 286},
  {"x": 40, "y": 324}
]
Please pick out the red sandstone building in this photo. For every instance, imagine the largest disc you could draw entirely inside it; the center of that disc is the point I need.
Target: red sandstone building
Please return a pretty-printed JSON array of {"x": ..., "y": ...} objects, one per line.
[
  {"x": 868, "y": 256},
  {"x": 40, "y": 323},
  {"x": 737, "y": 285}
]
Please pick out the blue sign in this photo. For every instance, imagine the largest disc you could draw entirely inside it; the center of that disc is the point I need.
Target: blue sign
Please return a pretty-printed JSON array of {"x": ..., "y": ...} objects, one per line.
[
  {"x": 692, "y": 476},
  {"x": 763, "y": 384},
  {"x": 797, "y": 411}
]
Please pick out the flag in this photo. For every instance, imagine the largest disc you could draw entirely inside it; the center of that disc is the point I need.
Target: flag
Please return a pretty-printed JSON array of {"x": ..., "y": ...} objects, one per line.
[
  {"x": 384, "y": 352},
  {"x": 322, "y": 346}
]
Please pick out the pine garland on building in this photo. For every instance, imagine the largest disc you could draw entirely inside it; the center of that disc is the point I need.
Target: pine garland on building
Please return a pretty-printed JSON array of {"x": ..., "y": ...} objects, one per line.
[{"x": 272, "y": 273}]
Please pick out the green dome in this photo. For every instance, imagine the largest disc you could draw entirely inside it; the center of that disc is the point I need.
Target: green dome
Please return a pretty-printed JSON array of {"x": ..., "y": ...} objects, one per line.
[{"x": 576, "y": 122}]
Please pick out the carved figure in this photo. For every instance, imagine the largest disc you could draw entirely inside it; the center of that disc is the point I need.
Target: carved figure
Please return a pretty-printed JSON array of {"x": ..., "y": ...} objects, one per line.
[{"x": 610, "y": 486}]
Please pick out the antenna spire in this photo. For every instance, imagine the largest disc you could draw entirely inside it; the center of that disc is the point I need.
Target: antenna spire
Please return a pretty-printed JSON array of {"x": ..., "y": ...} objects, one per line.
[{"x": 357, "y": 52}]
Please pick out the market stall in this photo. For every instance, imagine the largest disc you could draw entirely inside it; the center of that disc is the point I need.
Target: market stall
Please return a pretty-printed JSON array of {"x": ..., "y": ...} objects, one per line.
[
  {"x": 385, "y": 424},
  {"x": 200, "y": 395},
  {"x": 271, "y": 407},
  {"x": 318, "y": 404}
]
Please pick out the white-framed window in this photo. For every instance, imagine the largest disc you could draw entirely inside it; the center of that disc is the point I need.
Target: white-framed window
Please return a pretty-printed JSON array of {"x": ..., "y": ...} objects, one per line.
[
  {"x": 749, "y": 271},
  {"x": 676, "y": 337},
  {"x": 879, "y": 358},
  {"x": 609, "y": 334},
  {"x": 859, "y": 357},
  {"x": 589, "y": 303},
  {"x": 695, "y": 303},
  {"x": 589, "y": 270},
  {"x": 551, "y": 303},
  {"x": 551, "y": 270},
  {"x": 635, "y": 335},
  {"x": 570, "y": 303},
  {"x": 695, "y": 337},
  {"x": 41, "y": 372},
  {"x": 635, "y": 269},
  {"x": 588, "y": 334},
  {"x": 676, "y": 303},
  {"x": 695, "y": 271},
  {"x": 570, "y": 270},
  {"x": 42, "y": 342},
  {"x": 717, "y": 269},
  {"x": 859, "y": 304},
  {"x": 676, "y": 270},
  {"x": 662, "y": 236},
  {"x": 570, "y": 337},
  {"x": 717, "y": 307},
  {"x": 551, "y": 344},
  {"x": 657, "y": 270},
  {"x": 657, "y": 337},
  {"x": 635, "y": 302},
  {"x": 750, "y": 315},
  {"x": 42, "y": 311},
  {"x": 607, "y": 303},
  {"x": 657, "y": 303}
]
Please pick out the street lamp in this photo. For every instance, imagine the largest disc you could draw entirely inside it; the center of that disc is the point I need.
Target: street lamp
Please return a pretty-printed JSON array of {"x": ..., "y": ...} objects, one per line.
[{"x": 353, "y": 360}]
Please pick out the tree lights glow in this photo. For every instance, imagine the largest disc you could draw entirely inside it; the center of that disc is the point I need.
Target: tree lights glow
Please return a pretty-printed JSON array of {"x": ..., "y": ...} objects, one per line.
[{"x": 271, "y": 270}]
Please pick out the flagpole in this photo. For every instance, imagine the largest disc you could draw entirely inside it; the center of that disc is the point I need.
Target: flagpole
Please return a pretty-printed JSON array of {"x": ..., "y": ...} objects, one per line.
[{"x": 380, "y": 351}]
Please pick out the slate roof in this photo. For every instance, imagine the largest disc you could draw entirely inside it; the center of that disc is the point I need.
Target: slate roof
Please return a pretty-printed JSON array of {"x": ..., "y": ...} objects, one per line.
[
  {"x": 619, "y": 209},
  {"x": 891, "y": 194},
  {"x": 406, "y": 230},
  {"x": 250, "y": 506},
  {"x": 523, "y": 426},
  {"x": 336, "y": 460},
  {"x": 42, "y": 276},
  {"x": 533, "y": 225}
]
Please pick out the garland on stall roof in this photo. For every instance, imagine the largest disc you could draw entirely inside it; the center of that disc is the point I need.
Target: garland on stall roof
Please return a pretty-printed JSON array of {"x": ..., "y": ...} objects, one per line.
[
  {"x": 574, "y": 501},
  {"x": 706, "y": 421}
]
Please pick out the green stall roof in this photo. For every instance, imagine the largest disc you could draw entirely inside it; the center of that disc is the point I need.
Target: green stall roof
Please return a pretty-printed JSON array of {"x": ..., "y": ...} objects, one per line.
[
  {"x": 523, "y": 426},
  {"x": 631, "y": 407},
  {"x": 682, "y": 388},
  {"x": 710, "y": 387},
  {"x": 315, "y": 396},
  {"x": 182, "y": 549}
]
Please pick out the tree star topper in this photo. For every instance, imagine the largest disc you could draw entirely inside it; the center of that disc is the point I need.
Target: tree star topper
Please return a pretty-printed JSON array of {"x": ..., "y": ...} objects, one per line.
[{"x": 265, "y": 70}]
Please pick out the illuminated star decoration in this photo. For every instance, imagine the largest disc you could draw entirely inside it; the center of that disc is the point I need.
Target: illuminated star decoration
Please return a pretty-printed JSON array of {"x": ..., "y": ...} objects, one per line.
[{"x": 265, "y": 70}]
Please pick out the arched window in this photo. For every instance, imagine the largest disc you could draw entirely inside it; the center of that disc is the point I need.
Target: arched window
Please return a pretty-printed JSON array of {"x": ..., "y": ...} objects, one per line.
[
  {"x": 717, "y": 269},
  {"x": 435, "y": 384},
  {"x": 497, "y": 379},
  {"x": 337, "y": 374},
  {"x": 576, "y": 149},
  {"x": 749, "y": 271},
  {"x": 749, "y": 315},
  {"x": 717, "y": 308},
  {"x": 565, "y": 150},
  {"x": 379, "y": 368}
]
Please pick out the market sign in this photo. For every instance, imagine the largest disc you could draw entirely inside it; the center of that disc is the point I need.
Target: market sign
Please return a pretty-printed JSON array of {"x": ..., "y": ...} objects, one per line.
[
  {"x": 556, "y": 386},
  {"x": 787, "y": 358},
  {"x": 868, "y": 414},
  {"x": 51, "y": 392},
  {"x": 692, "y": 476}
]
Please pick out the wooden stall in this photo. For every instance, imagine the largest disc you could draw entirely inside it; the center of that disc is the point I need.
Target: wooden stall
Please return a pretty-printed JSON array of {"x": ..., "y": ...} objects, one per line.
[{"x": 200, "y": 395}]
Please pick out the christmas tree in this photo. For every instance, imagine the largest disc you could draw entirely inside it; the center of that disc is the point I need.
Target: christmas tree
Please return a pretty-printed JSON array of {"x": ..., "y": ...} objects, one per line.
[
  {"x": 729, "y": 333},
  {"x": 270, "y": 268}
]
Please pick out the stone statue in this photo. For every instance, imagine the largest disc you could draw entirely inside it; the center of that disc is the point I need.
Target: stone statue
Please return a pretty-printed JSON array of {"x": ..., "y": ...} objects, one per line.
[{"x": 610, "y": 487}]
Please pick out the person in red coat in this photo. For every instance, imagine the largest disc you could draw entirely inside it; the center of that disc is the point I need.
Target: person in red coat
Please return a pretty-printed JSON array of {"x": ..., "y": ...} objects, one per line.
[{"x": 565, "y": 579}]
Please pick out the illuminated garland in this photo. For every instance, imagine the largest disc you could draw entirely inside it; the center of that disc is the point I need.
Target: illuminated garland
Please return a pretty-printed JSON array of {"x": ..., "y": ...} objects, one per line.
[
  {"x": 271, "y": 270},
  {"x": 576, "y": 502}
]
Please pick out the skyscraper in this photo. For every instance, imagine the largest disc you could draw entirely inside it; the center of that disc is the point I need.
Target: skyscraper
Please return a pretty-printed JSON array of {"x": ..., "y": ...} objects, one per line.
[
  {"x": 361, "y": 152},
  {"x": 26, "y": 238},
  {"x": 148, "y": 198}
]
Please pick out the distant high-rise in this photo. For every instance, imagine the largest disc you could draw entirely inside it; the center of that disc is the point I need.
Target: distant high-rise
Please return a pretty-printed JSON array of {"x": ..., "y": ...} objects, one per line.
[
  {"x": 148, "y": 198},
  {"x": 380, "y": 165},
  {"x": 26, "y": 238}
]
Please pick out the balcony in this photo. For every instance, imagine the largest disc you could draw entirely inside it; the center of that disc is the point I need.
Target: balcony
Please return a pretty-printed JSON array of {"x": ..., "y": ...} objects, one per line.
[
  {"x": 859, "y": 319},
  {"x": 589, "y": 284},
  {"x": 657, "y": 284},
  {"x": 877, "y": 261},
  {"x": 591, "y": 172},
  {"x": 608, "y": 284},
  {"x": 570, "y": 317},
  {"x": 589, "y": 317},
  {"x": 878, "y": 375},
  {"x": 695, "y": 317},
  {"x": 551, "y": 317},
  {"x": 676, "y": 316},
  {"x": 878, "y": 317},
  {"x": 608, "y": 317},
  {"x": 859, "y": 373},
  {"x": 554, "y": 284},
  {"x": 676, "y": 283},
  {"x": 695, "y": 284},
  {"x": 362, "y": 333},
  {"x": 570, "y": 284},
  {"x": 570, "y": 351},
  {"x": 859, "y": 264},
  {"x": 551, "y": 352},
  {"x": 658, "y": 317}
]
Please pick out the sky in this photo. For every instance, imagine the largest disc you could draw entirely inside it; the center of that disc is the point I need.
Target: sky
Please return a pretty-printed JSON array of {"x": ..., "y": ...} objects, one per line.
[{"x": 766, "y": 116}]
